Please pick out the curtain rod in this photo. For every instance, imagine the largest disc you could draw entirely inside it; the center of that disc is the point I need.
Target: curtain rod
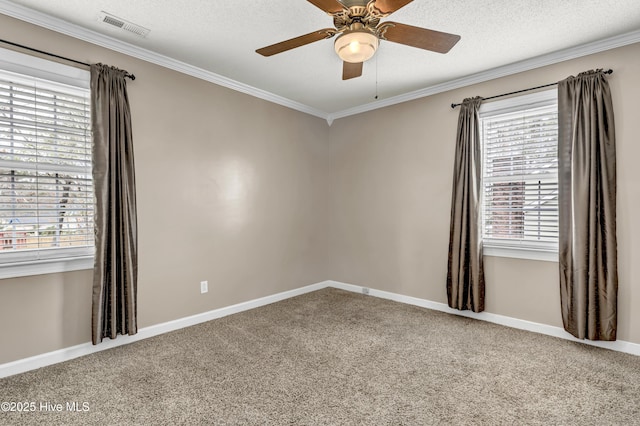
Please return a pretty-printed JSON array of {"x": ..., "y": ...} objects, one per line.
[
  {"x": 609, "y": 71},
  {"x": 131, "y": 76}
]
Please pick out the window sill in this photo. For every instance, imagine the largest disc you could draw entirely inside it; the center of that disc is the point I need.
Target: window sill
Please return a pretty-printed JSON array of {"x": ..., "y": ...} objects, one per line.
[
  {"x": 51, "y": 266},
  {"x": 521, "y": 253}
]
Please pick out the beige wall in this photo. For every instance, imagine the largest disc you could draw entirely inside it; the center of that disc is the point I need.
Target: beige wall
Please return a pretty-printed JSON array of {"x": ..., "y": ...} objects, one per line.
[
  {"x": 258, "y": 199},
  {"x": 390, "y": 198},
  {"x": 231, "y": 189}
]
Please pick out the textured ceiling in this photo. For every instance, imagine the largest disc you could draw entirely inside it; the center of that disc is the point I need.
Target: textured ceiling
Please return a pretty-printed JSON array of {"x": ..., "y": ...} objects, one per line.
[{"x": 221, "y": 37}]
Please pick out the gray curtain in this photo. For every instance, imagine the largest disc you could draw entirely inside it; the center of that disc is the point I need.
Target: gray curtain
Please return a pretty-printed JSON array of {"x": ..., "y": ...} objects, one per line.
[
  {"x": 587, "y": 207},
  {"x": 114, "y": 308},
  {"x": 465, "y": 276}
]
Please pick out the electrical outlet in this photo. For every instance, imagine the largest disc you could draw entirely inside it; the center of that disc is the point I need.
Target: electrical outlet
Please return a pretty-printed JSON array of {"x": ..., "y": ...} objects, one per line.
[
  {"x": 365, "y": 290},
  {"x": 204, "y": 286}
]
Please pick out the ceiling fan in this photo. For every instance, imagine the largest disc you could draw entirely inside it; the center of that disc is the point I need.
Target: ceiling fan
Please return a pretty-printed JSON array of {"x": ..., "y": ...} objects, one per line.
[{"x": 358, "y": 23}]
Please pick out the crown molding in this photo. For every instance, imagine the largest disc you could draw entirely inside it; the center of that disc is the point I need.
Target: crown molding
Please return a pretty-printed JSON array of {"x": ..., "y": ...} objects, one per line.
[
  {"x": 58, "y": 25},
  {"x": 61, "y": 26},
  {"x": 503, "y": 71}
]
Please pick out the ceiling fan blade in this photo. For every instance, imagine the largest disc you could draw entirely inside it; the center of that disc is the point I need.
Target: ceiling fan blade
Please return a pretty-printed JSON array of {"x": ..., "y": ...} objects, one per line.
[
  {"x": 297, "y": 42},
  {"x": 351, "y": 70},
  {"x": 329, "y": 6},
  {"x": 421, "y": 38},
  {"x": 387, "y": 7}
]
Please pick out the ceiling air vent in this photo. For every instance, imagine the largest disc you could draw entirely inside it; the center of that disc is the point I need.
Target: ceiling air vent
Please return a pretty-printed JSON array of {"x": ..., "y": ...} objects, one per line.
[{"x": 124, "y": 25}]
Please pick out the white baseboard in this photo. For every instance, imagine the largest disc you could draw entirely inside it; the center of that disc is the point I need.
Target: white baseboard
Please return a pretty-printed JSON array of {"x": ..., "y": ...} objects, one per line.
[
  {"x": 618, "y": 345},
  {"x": 49, "y": 358}
]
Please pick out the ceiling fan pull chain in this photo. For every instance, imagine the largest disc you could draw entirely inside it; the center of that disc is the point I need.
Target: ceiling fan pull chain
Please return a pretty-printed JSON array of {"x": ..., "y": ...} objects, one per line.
[{"x": 376, "y": 97}]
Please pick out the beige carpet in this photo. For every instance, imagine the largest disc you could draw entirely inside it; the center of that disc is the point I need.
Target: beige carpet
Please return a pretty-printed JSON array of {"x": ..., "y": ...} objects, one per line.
[{"x": 333, "y": 357}]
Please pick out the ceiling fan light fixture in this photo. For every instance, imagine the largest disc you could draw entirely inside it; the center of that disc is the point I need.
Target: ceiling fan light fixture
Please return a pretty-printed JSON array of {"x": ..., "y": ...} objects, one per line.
[{"x": 356, "y": 46}]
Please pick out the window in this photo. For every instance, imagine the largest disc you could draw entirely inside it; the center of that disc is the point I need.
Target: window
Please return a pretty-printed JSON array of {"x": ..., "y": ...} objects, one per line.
[
  {"x": 520, "y": 176},
  {"x": 46, "y": 191}
]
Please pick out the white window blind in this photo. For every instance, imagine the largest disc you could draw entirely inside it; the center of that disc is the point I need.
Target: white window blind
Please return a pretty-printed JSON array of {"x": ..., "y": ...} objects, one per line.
[
  {"x": 46, "y": 191},
  {"x": 520, "y": 175}
]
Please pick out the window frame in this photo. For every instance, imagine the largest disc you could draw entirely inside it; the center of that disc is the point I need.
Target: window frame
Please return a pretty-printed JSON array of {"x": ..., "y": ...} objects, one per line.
[
  {"x": 487, "y": 110},
  {"x": 20, "y": 264}
]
